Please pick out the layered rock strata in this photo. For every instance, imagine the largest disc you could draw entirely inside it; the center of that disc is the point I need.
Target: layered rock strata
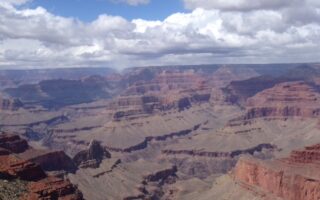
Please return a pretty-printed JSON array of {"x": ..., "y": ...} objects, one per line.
[
  {"x": 292, "y": 178},
  {"x": 92, "y": 157},
  {"x": 38, "y": 184},
  {"x": 285, "y": 100}
]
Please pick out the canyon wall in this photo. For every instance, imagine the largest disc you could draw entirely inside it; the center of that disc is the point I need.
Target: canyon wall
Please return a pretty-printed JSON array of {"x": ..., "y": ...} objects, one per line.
[
  {"x": 292, "y": 178},
  {"x": 290, "y": 99},
  {"x": 38, "y": 185}
]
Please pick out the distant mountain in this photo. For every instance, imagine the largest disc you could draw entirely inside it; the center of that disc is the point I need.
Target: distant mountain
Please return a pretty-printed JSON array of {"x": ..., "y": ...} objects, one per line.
[
  {"x": 243, "y": 89},
  {"x": 33, "y": 76},
  {"x": 304, "y": 71},
  {"x": 59, "y": 92}
]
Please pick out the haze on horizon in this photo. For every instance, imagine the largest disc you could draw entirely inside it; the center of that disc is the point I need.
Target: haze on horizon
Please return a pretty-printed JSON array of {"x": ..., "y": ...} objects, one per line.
[{"x": 124, "y": 33}]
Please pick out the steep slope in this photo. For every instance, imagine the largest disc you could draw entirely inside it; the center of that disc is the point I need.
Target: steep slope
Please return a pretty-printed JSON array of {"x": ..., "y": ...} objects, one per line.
[
  {"x": 36, "y": 184},
  {"x": 7, "y": 104},
  {"x": 135, "y": 180},
  {"x": 292, "y": 178},
  {"x": 292, "y": 99},
  {"x": 92, "y": 157},
  {"x": 226, "y": 74}
]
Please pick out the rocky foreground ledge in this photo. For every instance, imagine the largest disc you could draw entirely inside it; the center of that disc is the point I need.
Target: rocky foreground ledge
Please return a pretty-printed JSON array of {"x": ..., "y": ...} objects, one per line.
[{"x": 26, "y": 180}]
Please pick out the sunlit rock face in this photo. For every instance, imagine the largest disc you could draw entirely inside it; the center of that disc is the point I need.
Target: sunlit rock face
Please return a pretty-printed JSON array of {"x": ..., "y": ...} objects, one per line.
[
  {"x": 91, "y": 157},
  {"x": 291, "y": 99},
  {"x": 37, "y": 184},
  {"x": 292, "y": 178}
]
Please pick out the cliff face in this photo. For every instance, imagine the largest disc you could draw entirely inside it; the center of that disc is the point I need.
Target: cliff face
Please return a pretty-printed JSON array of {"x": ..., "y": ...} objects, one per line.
[
  {"x": 52, "y": 188},
  {"x": 49, "y": 161},
  {"x": 308, "y": 155},
  {"x": 10, "y": 104},
  {"x": 38, "y": 184},
  {"x": 12, "y": 167},
  {"x": 293, "y": 178},
  {"x": 13, "y": 143},
  {"x": 167, "y": 81},
  {"x": 225, "y": 75},
  {"x": 54, "y": 161},
  {"x": 126, "y": 107},
  {"x": 240, "y": 91},
  {"x": 167, "y": 90},
  {"x": 92, "y": 157},
  {"x": 291, "y": 99}
]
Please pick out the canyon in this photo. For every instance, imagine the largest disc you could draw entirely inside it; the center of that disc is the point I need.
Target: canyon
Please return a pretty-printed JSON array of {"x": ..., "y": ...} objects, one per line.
[{"x": 174, "y": 132}]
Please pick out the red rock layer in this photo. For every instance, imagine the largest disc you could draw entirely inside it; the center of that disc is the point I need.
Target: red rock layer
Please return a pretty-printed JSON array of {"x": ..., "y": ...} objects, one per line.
[
  {"x": 40, "y": 186},
  {"x": 308, "y": 155},
  {"x": 291, "y": 99},
  {"x": 13, "y": 167},
  {"x": 293, "y": 178},
  {"x": 166, "y": 91},
  {"x": 52, "y": 188},
  {"x": 167, "y": 81}
]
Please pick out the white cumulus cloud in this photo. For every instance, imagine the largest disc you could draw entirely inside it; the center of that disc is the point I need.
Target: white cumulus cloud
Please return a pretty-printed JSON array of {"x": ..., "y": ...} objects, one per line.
[{"x": 217, "y": 34}]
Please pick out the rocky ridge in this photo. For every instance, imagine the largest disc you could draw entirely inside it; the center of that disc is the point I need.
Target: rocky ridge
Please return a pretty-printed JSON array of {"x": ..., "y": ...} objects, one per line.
[
  {"x": 92, "y": 157},
  {"x": 38, "y": 184},
  {"x": 292, "y": 178},
  {"x": 8, "y": 104},
  {"x": 291, "y": 99}
]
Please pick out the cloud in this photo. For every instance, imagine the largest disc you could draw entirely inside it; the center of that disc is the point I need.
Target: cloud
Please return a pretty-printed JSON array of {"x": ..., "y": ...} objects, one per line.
[
  {"x": 132, "y": 2},
  {"x": 17, "y": 2},
  {"x": 38, "y": 38},
  {"x": 238, "y": 5}
]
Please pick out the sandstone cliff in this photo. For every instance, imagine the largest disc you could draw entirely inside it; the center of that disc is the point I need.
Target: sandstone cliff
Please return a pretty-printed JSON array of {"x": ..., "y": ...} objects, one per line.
[
  {"x": 13, "y": 143},
  {"x": 92, "y": 157},
  {"x": 291, "y": 99},
  {"x": 37, "y": 184},
  {"x": 54, "y": 161},
  {"x": 293, "y": 178}
]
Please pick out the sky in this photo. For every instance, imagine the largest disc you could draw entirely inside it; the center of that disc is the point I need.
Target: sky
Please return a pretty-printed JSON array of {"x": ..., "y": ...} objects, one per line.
[
  {"x": 127, "y": 33},
  {"x": 89, "y": 10}
]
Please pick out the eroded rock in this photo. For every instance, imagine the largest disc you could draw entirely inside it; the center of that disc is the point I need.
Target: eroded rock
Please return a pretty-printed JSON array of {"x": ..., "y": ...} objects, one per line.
[
  {"x": 293, "y": 178},
  {"x": 91, "y": 157}
]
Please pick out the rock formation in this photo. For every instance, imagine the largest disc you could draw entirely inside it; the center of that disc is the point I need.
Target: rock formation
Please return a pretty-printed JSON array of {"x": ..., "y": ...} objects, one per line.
[
  {"x": 225, "y": 75},
  {"x": 240, "y": 91},
  {"x": 10, "y": 104},
  {"x": 308, "y": 155},
  {"x": 291, "y": 99},
  {"x": 38, "y": 184},
  {"x": 167, "y": 90},
  {"x": 292, "y": 178},
  {"x": 13, "y": 143},
  {"x": 92, "y": 157},
  {"x": 52, "y": 188},
  {"x": 54, "y": 161},
  {"x": 12, "y": 167}
]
